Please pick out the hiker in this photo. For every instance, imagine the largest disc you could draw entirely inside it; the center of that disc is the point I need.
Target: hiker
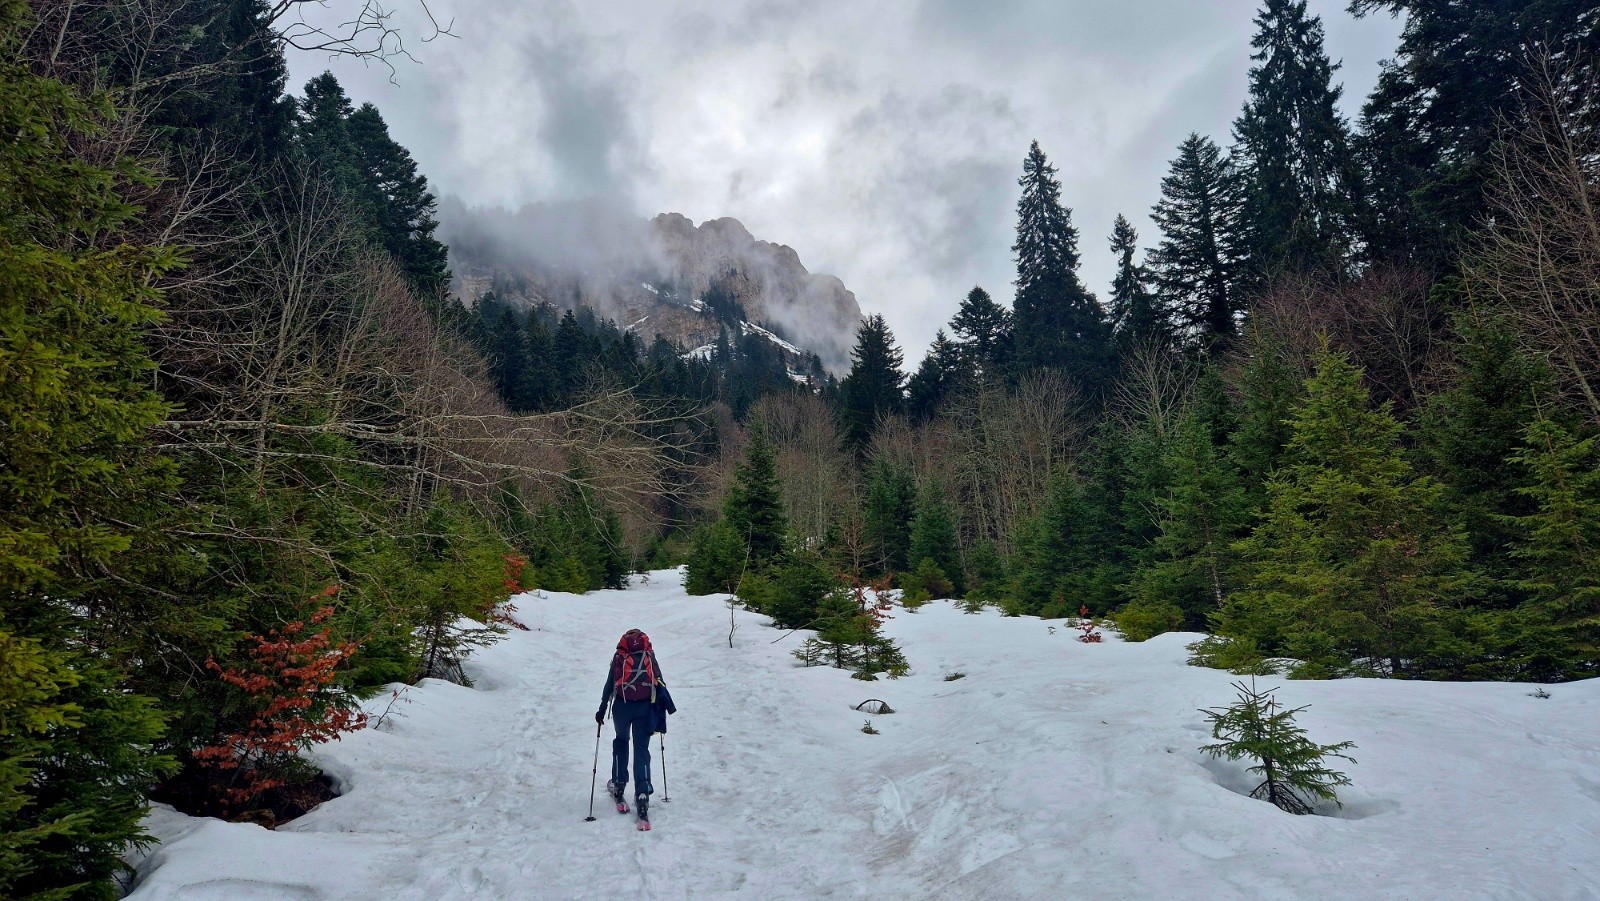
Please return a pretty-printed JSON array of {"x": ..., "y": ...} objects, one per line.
[{"x": 639, "y": 704}]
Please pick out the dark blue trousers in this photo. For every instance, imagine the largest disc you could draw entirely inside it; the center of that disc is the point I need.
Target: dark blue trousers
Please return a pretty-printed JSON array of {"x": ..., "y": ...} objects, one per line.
[{"x": 632, "y": 719}]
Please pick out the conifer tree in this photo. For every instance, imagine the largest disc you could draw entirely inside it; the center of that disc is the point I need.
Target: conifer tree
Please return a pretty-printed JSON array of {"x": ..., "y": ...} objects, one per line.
[
  {"x": 1293, "y": 149},
  {"x": 1459, "y": 74},
  {"x": 1136, "y": 320},
  {"x": 933, "y": 536},
  {"x": 1203, "y": 513},
  {"x": 76, "y": 477},
  {"x": 940, "y": 373},
  {"x": 1560, "y": 547},
  {"x": 1293, "y": 771},
  {"x": 1056, "y": 321},
  {"x": 1055, "y": 569},
  {"x": 754, "y": 508},
  {"x": 875, "y": 386},
  {"x": 1198, "y": 268},
  {"x": 886, "y": 527},
  {"x": 1469, "y": 436},
  {"x": 1350, "y": 566},
  {"x": 983, "y": 335}
]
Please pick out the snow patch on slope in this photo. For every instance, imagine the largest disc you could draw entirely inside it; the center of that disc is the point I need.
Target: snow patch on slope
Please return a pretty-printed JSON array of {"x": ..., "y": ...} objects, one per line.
[{"x": 1053, "y": 768}]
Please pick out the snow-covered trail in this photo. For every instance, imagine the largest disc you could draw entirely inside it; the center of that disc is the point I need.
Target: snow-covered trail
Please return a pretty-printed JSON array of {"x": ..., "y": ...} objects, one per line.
[{"x": 1052, "y": 768}]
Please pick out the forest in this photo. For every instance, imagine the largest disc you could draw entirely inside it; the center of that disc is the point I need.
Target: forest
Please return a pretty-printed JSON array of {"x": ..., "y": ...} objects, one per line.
[{"x": 257, "y": 462}]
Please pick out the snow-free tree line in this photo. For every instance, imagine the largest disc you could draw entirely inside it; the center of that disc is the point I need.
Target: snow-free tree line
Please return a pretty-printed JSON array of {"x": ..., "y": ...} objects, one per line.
[{"x": 1341, "y": 414}]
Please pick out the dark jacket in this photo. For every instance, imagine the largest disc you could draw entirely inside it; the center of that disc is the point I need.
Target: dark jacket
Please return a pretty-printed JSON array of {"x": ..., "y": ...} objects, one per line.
[{"x": 660, "y": 709}]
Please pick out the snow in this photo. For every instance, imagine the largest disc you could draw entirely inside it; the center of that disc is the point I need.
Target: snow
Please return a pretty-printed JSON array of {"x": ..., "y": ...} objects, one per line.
[
  {"x": 651, "y": 288},
  {"x": 1052, "y": 768},
  {"x": 751, "y": 328}
]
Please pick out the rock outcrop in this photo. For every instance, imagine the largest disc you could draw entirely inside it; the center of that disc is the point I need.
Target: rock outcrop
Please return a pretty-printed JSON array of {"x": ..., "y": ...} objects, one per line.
[{"x": 650, "y": 276}]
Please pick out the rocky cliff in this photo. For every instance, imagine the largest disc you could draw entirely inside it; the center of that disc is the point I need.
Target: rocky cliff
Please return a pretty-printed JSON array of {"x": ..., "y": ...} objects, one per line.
[{"x": 654, "y": 277}]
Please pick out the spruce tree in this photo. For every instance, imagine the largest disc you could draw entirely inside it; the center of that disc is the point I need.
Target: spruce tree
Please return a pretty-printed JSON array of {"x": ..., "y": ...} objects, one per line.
[
  {"x": 1055, "y": 566},
  {"x": 1351, "y": 568},
  {"x": 1136, "y": 320},
  {"x": 1439, "y": 108},
  {"x": 1293, "y": 771},
  {"x": 400, "y": 205},
  {"x": 1469, "y": 436},
  {"x": 886, "y": 526},
  {"x": 754, "y": 508},
  {"x": 1056, "y": 321},
  {"x": 939, "y": 373},
  {"x": 78, "y": 479},
  {"x": 1559, "y": 547},
  {"x": 1199, "y": 266},
  {"x": 1204, "y": 511},
  {"x": 933, "y": 536},
  {"x": 1294, "y": 149},
  {"x": 984, "y": 336},
  {"x": 874, "y": 388}
]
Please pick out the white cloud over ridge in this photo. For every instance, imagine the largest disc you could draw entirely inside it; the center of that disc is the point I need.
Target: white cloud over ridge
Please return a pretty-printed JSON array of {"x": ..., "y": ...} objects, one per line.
[{"x": 881, "y": 140}]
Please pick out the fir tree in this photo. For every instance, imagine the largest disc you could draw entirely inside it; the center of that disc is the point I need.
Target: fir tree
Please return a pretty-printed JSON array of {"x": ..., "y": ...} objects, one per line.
[
  {"x": 1198, "y": 268},
  {"x": 1293, "y": 148},
  {"x": 1350, "y": 566},
  {"x": 77, "y": 476},
  {"x": 1560, "y": 547},
  {"x": 886, "y": 527},
  {"x": 1056, "y": 321},
  {"x": 939, "y": 374},
  {"x": 754, "y": 508},
  {"x": 1136, "y": 320},
  {"x": 874, "y": 388},
  {"x": 983, "y": 336},
  {"x": 717, "y": 561},
  {"x": 1293, "y": 770},
  {"x": 1055, "y": 569},
  {"x": 933, "y": 536},
  {"x": 1439, "y": 108},
  {"x": 1202, "y": 514}
]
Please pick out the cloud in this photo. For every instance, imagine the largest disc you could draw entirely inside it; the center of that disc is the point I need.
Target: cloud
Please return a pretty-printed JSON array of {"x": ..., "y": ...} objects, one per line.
[{"x": 881, "y": 140}]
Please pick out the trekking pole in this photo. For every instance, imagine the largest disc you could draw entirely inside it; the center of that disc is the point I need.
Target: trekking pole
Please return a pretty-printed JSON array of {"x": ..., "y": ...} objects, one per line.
[
  {"x": 665, "y": 794},
  {"x": 595, "y": 773}
]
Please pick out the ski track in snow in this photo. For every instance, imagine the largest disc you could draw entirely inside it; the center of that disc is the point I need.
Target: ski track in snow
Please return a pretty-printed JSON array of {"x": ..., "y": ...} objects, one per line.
[{"x": 1054, "y": 768}]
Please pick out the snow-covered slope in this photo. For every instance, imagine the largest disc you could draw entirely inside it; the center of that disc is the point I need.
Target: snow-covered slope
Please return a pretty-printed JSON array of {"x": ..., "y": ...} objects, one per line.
[{"x": 1053, "y": 769}]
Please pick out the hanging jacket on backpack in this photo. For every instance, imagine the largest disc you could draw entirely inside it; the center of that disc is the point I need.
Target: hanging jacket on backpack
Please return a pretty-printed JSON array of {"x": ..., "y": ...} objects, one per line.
[{"x": 635, "y": 674}]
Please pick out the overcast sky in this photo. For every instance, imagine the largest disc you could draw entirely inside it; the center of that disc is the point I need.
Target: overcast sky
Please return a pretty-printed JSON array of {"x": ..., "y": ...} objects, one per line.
[{"x": 882, "y": 140}]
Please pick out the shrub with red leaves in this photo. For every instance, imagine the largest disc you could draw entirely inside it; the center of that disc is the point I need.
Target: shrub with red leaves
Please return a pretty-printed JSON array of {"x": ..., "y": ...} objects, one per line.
[
  {"x": 1086, "y": 630},
  {"x": 287, "y": 678},
  {"x": 500, "y": 612}
]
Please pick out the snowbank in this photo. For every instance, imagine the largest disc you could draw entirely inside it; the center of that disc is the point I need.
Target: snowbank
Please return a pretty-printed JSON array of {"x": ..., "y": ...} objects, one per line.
[{"x": 1052, "y": 768}]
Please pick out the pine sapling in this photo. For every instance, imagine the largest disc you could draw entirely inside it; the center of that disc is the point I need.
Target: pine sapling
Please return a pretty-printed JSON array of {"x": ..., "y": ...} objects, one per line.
[{"x": 1292, "y": 769}]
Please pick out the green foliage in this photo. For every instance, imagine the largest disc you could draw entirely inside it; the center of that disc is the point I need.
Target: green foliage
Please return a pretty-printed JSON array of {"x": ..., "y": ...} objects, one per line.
[
  {"x": 1058, "y": 323},
  {"x": 1295, "y": 149},
  {"x": 76, "y": 748},
  {"x": 890, "y": 506},
  {"x": 1293, "y": 769},
  {"x": 1199, "y": 266},
  {"x": 800, "y": 582},
  {"x": 986, "y": 577},
  {"x": 928, "y": 582},
  {"x": 754, "y": 508},
  {"x": 1351, "y": 568},
  {"x": 1560, "y": 550},
  {"x": 933, "y": 540},
  {"x": 1145, "y": 618},
  {"x": 717, "y": 560},
  {"x": 848, "y": 638},
  {"x": 874, "y": 387},
  {"x": 1056, "y": 569},
  {"x": 1204, "y": 511}
]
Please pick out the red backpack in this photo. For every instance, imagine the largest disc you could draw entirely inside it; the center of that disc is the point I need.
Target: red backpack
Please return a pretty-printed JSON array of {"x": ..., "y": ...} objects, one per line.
[{"x": 636, "y": 671}]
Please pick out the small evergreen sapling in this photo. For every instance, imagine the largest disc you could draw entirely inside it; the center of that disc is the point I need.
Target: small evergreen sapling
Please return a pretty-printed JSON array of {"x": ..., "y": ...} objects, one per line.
[{"x": 1293, "y": 774}]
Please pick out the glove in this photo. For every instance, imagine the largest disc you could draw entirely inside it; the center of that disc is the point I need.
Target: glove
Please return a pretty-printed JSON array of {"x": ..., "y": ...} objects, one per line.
[{"x": 600, "y": 717}]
